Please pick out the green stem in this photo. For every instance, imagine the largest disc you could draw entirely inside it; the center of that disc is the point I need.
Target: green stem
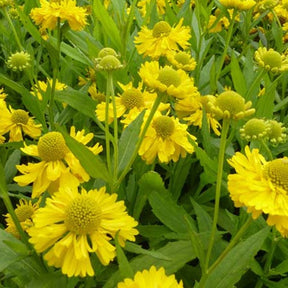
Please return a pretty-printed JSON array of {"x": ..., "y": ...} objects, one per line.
[
  {"x": 228, "y": 39},
  {"x": 225, "y": 128},
  {"x": 54, "y": 79},
  {"x": 140, "y": 139},
  {"x": 266, "y": 148},
  {"x": 232, "y": 243},
  {"x": 107, "y": 133},
  {"x": 13, "y": 28}
]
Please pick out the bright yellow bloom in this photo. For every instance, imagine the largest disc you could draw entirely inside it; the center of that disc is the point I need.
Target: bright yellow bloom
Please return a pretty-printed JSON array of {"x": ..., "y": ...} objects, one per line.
[
  {"x": 17, "y": 122},
  {"x": 182, "y": 60},
  {"x": 260, "y": 186},
  {"x": 72, "y": 225},
  {"x": 42, "y": 87},
  {"x": 2, "y": 94},
  {"x": 173, "y": 82},
  {"x": 238, "y": 4},
  {"x": 135, "y": 99},
  {"x": 24, "y": 212},
  {"x": 65, "y": 10},
  {"x": 166, "y": 138},
  {"x": 160, "y": 5},
  {"x": 271, "y": 60},
  {"x": 59, "y": 167},
  {"x": 151, "y": 278},
  {"x": 162, "y": 39}
]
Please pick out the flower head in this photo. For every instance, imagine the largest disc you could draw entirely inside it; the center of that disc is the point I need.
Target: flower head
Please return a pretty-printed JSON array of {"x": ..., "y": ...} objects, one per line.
[
  {"x": 277, "y": 133},
  {"x": 5, "y": 3},
  {"x": 238, "y": 4},
  {"x": 254, "y": 129},
  {"x": 151, "y": 278},
  {"x": 167, "y": 139},
  {"x": 17, "y": 122},
  {"x": 58, "y": 166},
  {"x": 260, "y": 186},
  {"x": 173, "y": 82},
  {"x": 65, "y": 10},
  {"x": 181, "y": 60},
  {"x": 109, "y": 63},
  {"x": 271, "y": 60},
  {"x": 73, "y": 225},
  {"x": 162, "y": 39},
  {"x": 19, "y": 61},
  {"x": 230, "y": 104}
]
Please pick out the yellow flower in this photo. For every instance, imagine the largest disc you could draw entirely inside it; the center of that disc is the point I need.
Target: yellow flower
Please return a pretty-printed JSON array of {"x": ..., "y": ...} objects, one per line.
[
  {"x": 131, "y": 99},
  {"x": 230, "y": 104},
  {"x": 24, "y": 212},
  {"x": 181, "y": 60},
  {"x": 5, "y": 3},
  {"x": 52, "y": 172},
  {"x": 167, "y": 139},
  {"x": 162, "y": 39},
  {"x": 73, "y": 225},
  {"x": 151, "y": 278},
  {"x": 260, "y": 186},
  {"x": 160, "y": 5},
  {"x": 42, "y": 87},
  {"x": 173, "y": 82},
  {"x": 238, "y": 4},
  {"x": 271, "y": 60},
  {"x": 17, "y": 122},
  {"x": 2, "y": 94},
  {"x": 65, "y": 10}
]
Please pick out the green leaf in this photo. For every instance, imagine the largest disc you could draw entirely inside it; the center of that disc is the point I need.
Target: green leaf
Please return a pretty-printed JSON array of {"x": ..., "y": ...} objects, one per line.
[
  {"x": 167, "y": 211},
  {"x": 230, "y": 269},
  {"x": 92, "y": 164},
  {"x": 109, "y": 27},
  {"x": 48, "y": 280},
  {"x": 237, "y": 76},
  {"x": 127, "y": 142},
  {"x": 10, "y": 166}
]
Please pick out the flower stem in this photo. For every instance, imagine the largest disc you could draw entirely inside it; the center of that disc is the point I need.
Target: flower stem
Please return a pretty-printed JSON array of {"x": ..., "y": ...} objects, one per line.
[
  {"x": 13, "y": 29},
  {"x": 140, "y": 139},
  {"x": 254, "y": 83},
  {"x": 225, "y": 128},
  {"x": 266, "y": 148}
]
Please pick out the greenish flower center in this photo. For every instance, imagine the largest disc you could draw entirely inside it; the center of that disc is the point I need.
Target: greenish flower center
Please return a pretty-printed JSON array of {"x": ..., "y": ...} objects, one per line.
[
  {"x": 132, "y": 98},
  {"x": 19, "y": 117},
  {"x": 255, "y": 127},
  {"x": 161, "y": 28},
  {"x": 109, "y": 62},
  {"x": 168, "y": 76},
  {"x": 276, "y": 130},
  {"x": 277, "y": 172},
  {"x": 83, "y": 215},
  {"x": 230, "y": 101},
  {"x": 19, "y": 60},
  {"x": 272, "y": 59},
  {"x": 182, "y": 57},
  {"x": 24, "y": 212},
  {"x": 52, "y": 147},
  {"x": 164, "y": 126},
  {"x": 107, "y": 51}
]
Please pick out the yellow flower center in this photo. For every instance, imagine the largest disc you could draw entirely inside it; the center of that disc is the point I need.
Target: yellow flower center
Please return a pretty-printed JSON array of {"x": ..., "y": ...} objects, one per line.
[
  {"x": 168, "y": 76},
  {"x": 161, "y": 28},
  {"x": 52, "y": 147},
  {"x": 255, "y": 128},
  {"x": 230, "y": 101},
  {"x": 164, "y": 126},
  {"x": 19, "y": 61},
  {"x": 19, "y": 117},
  {"x": 132, "y": 98},
  {"x": 83, "y": 215},
  {"x": 24, "y": 212},
  {"x": 272, "y": 59},
  {"x": 277, "y": 172},
  {"x": 182, "y": 57}
]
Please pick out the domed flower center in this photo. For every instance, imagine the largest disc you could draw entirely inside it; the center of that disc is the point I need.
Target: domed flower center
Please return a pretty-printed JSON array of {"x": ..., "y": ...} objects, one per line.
[
  {"x": 19, "y": 117},
  {"x": 272, "y": 59},
  {"x": 83, "y": 215},
  {"x": 107, "y": 51},
  {"x": 168, "y": 76},
  {"x": 161, "y": 28},
  {"x": 277, "y": 172},
  {"x": 132, "y": 98},
  {"x": 164, "y": 126},
  {"x": 109, "y": 62},
  {"x": 52, "y": 147},
  {"x": 24, "y": 212},
  {"x": 182, "y": 57},
  {"x": 19, "y": 60},
  {"x": 255, "y": 127},
  {"x": 230, "y": 101},
  {"x": 276, "y": 129}
]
